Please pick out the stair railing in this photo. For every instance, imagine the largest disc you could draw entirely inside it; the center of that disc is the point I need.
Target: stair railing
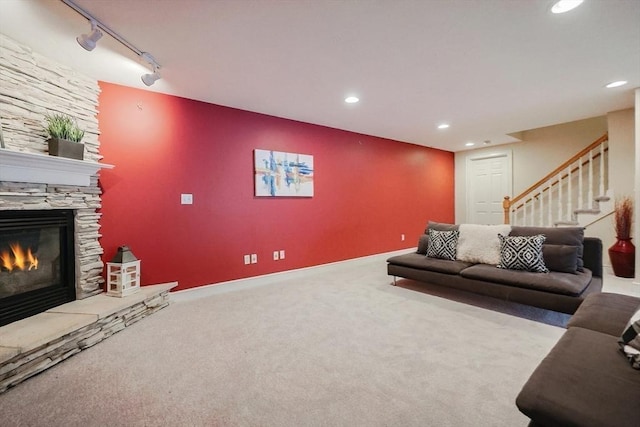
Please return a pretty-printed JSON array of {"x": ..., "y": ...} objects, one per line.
[{"x": 552, "y": 200}]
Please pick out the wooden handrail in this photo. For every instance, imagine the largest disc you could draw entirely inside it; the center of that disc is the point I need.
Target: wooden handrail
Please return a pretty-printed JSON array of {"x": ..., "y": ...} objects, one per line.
[
  {"x": 556, "y": 182},
  {"x": 508, "y": 202}
]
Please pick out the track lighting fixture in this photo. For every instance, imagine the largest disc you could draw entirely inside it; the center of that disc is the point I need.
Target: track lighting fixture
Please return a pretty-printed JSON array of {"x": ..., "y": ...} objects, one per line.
[
  {"x": 150, "y": 78},
  {"x": 88, "y": 41}
]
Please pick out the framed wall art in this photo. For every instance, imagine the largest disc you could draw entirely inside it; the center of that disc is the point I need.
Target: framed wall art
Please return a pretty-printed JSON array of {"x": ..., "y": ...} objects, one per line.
[{"x": 279, "y": 174}]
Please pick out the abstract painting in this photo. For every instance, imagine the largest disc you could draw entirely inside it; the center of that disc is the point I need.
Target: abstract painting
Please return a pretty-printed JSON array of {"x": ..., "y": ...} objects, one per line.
[{"x": 279, "y": 174}]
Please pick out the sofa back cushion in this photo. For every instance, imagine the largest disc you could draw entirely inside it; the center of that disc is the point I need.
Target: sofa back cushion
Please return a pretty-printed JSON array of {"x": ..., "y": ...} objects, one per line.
[
  {"x": 440, "y": 226},
  {"x": 423, "y": 244},
  {"x": 558, "y": 236},
  {"x": 561, "y": 258}
]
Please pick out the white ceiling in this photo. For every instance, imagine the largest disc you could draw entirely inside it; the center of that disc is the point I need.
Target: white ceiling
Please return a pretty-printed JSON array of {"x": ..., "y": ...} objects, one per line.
[{"x": 488, "y": 67}]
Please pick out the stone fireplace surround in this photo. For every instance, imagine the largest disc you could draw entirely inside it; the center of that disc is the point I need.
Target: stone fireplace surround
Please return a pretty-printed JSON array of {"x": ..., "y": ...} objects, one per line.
[{"x": 32, "y": 86}]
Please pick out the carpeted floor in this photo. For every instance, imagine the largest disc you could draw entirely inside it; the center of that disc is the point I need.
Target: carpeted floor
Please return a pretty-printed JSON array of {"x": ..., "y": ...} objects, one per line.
[{"x": 334, "y": 349}]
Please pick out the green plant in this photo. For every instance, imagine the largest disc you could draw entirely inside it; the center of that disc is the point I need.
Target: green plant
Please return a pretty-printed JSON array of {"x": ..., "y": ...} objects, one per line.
[
  {"x": 622, "y": 217},
  {"x": 63, "y": 126}
]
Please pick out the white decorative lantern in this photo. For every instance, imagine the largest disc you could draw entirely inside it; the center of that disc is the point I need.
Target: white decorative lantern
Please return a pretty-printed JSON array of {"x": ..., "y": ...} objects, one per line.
[{"x": 123, "y": 273}]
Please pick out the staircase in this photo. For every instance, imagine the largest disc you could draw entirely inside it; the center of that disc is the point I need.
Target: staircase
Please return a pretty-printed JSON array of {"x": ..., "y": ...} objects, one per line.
[{"x": 576, "y": 193}]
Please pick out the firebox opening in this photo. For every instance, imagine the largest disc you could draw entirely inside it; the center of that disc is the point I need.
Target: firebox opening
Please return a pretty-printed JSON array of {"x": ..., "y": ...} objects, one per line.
[{"x": 37, "y": 262}]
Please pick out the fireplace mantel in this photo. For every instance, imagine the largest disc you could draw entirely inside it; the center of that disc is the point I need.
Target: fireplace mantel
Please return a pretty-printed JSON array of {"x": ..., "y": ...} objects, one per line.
[{"x": 17, "y": 166}]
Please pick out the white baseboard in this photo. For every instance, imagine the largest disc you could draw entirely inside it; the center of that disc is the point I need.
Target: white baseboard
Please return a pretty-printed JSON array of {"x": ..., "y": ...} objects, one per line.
[{"x": 250, "y": 282}]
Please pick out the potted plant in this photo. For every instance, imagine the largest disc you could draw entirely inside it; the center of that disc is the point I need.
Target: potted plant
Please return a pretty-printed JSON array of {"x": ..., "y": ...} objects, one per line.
[
  {"x": 64, "y": 137},
  {"x": 622, "y": 253}
]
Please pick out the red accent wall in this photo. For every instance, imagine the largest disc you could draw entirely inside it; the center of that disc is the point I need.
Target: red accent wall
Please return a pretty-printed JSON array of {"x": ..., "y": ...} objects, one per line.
[{"x": 368, "y": 190}]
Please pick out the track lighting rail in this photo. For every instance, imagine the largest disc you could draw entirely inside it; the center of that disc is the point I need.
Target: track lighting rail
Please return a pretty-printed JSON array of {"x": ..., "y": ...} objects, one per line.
[{"x": 95, "y": 23}]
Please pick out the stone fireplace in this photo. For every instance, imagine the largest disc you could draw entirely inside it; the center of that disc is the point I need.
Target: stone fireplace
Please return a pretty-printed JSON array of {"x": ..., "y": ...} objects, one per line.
[
  {"x": 32, "y": 86},
  {"x": 35, "y": 186}
]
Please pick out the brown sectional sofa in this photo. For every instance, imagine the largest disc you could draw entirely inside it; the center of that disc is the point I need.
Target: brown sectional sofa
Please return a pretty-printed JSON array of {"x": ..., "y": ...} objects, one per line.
[
  {"x": 585, "y": 380},
  {"x": 557, "y": 290}
]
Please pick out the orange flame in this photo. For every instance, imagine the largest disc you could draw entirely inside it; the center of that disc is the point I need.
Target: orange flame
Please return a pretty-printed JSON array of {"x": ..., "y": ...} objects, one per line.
[{"x": 18, "y": 258}]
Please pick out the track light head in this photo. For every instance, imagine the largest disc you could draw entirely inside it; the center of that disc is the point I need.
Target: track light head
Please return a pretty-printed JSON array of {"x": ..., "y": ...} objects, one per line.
[
  {"x": 88, "y": 41},
  {"x": 149, "y": 79}
]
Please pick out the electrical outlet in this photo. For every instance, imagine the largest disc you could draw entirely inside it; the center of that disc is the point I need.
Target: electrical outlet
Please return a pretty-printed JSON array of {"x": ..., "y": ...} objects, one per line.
[
  {"x": 402, "y": 237},
  {"x": 186, "y": 199},
  {"x": 276, "y": 256},
  {"x": 247, "y": 259},
  {"x": 254, "y": 258},
  {"x": 282, "y": 254}
]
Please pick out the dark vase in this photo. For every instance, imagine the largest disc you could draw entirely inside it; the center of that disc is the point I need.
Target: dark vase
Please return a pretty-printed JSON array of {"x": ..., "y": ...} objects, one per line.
[
  {"x": 623, "y": 258},
  {"x": 65, "y": 148}
]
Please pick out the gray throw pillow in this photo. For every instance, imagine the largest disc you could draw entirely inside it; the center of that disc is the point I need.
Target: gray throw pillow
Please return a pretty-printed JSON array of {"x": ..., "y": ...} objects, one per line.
[
  {"x": 440, "y": 226},
  {"x": 423, "y": 244},
  {"x": 522, "y": 253},
  {"x": 561, "y": 258}
]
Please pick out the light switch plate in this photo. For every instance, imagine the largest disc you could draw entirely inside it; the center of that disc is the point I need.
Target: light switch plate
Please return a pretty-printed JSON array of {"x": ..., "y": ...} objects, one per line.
[{"x": 186, "y": 199}]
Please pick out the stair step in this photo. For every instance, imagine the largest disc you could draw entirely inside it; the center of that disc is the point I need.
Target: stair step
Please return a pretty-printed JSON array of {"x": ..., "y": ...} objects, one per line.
[
  {"x": 587, "y": 211},
  {"x": 565, "y": 223},
  {"x": 602, "y": 199}
]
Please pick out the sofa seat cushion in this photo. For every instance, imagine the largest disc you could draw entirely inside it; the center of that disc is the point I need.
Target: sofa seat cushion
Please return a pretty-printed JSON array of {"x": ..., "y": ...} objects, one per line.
[
  {"x": 431, "y": 264},
  {"x": 554, "y": 282},
  {"x": 584, "y": 381},
  {"x": 605, "y": 312}
]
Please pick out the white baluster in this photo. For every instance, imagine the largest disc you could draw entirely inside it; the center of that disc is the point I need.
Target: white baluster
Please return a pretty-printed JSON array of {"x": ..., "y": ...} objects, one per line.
[
  {"x": 601, "y": 170},
  {"x": 533, "y": 210},
  {"x": 559, "y": 197},
  {"x": 569, "y": 199},
  {"x": 550, "y": 201},
  {"x": 590, "y": 195},
  {"x": 540, "y": 196},
  {"x": 524, "y": 213},
  {"x": 580, "y": 198}
]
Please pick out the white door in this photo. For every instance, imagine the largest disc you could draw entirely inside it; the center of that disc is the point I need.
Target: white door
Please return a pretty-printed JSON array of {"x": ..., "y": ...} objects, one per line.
[{"x": 488, "y": 181}]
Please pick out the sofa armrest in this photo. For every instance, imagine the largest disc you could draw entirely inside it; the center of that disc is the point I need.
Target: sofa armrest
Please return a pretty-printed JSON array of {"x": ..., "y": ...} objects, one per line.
[{"x": 592, "y": 255}]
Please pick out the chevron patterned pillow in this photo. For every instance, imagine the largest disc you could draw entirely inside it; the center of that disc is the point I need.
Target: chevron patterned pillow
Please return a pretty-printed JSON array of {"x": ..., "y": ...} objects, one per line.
[
  {"x": 522, "y": 253},
  {"x": 630, "y": 340},
  {"x": 443, "y": 244}
]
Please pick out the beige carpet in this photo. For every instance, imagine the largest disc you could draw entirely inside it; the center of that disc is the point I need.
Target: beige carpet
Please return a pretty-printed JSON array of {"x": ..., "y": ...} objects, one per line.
[{"x": 338, "y": 349}]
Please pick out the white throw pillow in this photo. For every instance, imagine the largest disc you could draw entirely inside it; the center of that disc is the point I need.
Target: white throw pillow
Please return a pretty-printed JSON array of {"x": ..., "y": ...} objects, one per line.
[{"x": 480, "y": 243}]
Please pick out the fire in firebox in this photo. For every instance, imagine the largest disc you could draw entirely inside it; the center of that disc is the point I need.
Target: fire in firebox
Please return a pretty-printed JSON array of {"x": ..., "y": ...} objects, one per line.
[{"x": 18, "y": 258}]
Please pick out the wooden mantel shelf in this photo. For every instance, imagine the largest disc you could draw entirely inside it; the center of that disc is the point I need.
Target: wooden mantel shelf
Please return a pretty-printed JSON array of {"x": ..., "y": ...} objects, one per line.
[{"x": 17, "y": 166}]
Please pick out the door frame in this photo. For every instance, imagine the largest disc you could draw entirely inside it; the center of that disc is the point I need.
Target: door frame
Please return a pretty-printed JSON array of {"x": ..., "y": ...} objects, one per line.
[{"x": 483, "y": 156}]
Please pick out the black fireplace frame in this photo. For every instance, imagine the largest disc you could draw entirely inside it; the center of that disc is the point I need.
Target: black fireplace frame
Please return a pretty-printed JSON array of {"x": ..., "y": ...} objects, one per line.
[{"x": 17, "y": 307}]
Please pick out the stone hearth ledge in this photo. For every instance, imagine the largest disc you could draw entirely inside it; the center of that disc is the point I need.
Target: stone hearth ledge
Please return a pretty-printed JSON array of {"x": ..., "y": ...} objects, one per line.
[{"x": 36, "y": 343}]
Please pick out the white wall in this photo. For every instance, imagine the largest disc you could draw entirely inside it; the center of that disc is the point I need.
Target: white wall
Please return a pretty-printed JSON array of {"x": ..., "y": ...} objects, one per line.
[
  {"x": 540, "y": 151},
  {"x": 621, "y": 151},
  {"x": 621, "y": 170}
]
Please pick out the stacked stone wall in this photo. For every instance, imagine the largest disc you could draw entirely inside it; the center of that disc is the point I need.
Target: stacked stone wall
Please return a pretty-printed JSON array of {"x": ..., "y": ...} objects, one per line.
[{"x": 31, "y": 87}]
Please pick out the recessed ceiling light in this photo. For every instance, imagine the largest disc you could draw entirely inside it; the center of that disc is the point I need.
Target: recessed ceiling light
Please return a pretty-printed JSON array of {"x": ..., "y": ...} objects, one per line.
[
  {"x": 351, "y": 99},
  {"x": 616, "y": 84},
  {"x": 565, "y": 6},
  {"x": 443, "y": 126},
  {"x": 470, "y": 144}
]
